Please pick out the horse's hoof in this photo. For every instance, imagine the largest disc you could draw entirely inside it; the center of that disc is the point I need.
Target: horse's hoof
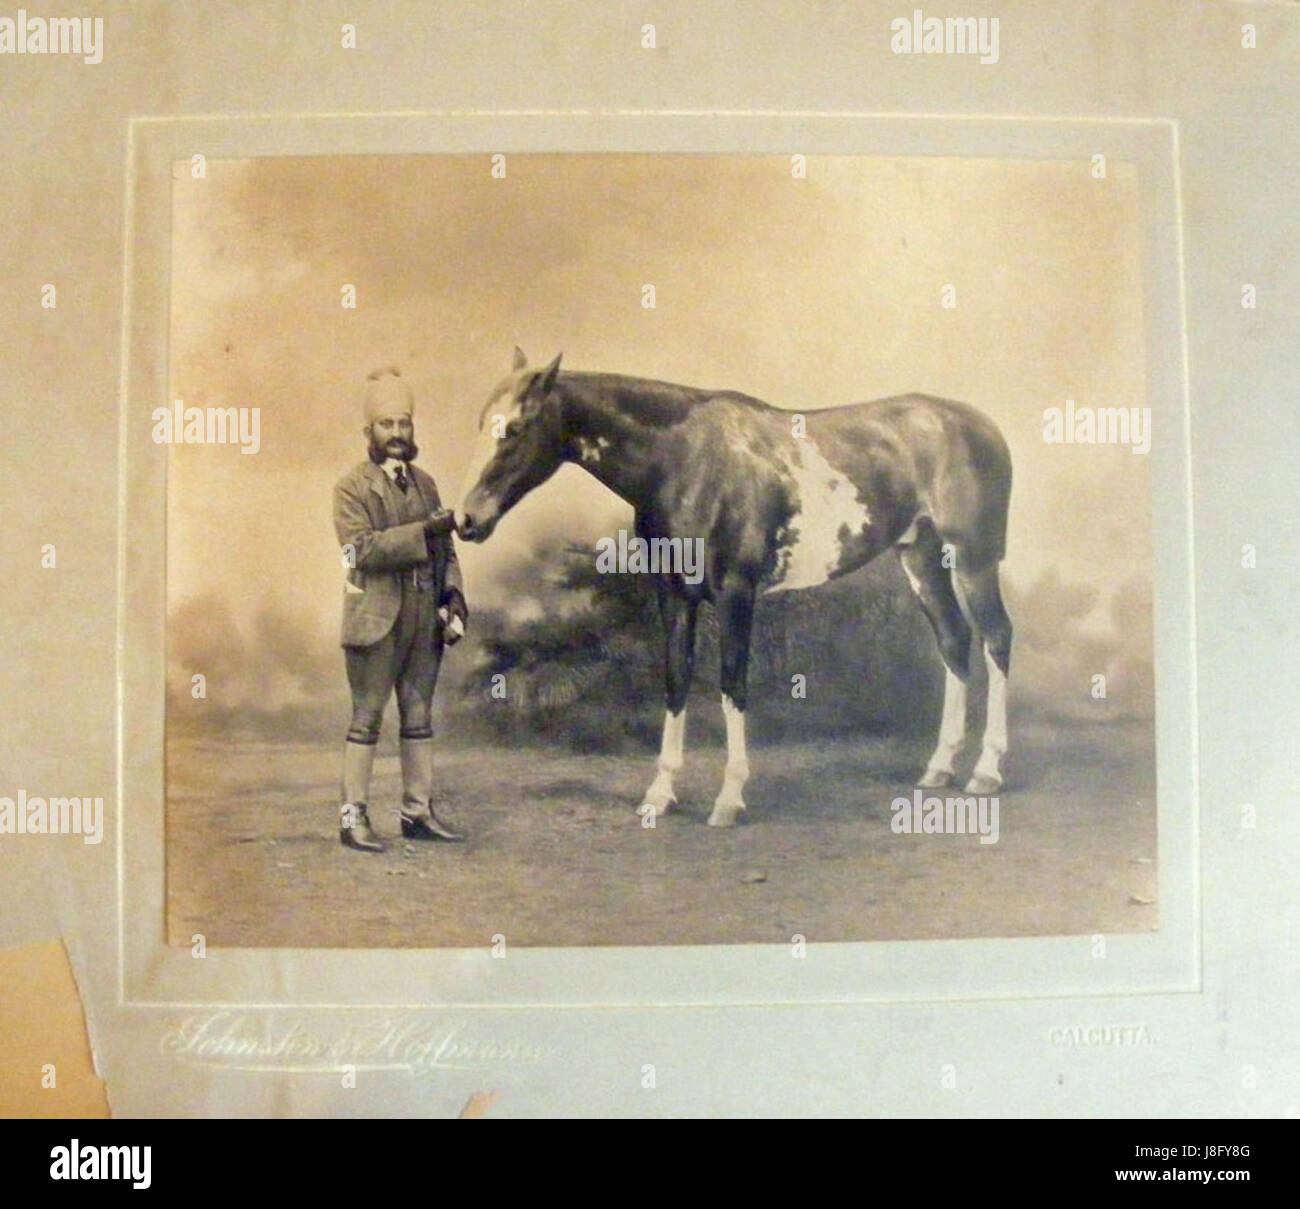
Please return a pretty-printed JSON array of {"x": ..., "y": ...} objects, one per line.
[
  {"x": 981, "y": 784},
  {"x": 725, "y": 815},
  {"x": 934, "y": 778},
  {"x": 658, "y": 809}
]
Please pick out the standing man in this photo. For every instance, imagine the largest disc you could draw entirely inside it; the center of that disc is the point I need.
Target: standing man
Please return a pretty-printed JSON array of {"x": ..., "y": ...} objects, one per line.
[{"x": 402, "y": 601}]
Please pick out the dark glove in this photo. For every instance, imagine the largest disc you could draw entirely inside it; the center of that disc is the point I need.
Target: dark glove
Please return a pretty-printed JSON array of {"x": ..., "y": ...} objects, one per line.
[{"x": 436, "y": 528}]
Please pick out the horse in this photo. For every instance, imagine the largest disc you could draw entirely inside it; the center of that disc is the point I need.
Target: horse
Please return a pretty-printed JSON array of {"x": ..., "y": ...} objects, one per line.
[{"x": 783, "y": 501}]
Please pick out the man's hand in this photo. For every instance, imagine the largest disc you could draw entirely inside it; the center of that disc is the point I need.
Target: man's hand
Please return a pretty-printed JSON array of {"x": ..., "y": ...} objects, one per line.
[
  {"x": 455, "y": 613},
  {"x": 441, "y": 522},
  {"x": 454, "y": 599}
]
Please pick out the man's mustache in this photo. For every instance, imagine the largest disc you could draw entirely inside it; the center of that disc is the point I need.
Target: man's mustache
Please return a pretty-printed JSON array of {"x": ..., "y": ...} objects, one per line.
[{"x": 381, "y": 449}]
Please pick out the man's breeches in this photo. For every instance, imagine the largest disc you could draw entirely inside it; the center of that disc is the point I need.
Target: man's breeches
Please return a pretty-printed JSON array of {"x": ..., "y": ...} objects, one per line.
[{"x": 407, "y": 658}]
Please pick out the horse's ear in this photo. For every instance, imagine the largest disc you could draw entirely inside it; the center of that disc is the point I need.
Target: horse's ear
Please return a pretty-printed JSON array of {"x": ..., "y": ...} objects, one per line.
[
  {"x": 552, "y": 372},
  {"x": 520, "y": 359}
]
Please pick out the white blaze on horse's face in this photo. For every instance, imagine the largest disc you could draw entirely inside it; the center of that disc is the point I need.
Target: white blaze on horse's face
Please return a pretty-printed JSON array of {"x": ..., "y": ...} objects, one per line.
[
  {"x": 501, "y": 410},
  {"x": 828, "y": 505},
  {"x": 518, "y": 447}
]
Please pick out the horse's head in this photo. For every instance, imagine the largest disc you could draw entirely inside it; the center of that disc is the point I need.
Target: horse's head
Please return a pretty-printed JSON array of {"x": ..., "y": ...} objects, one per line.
[{"x": 519, "y": 446}]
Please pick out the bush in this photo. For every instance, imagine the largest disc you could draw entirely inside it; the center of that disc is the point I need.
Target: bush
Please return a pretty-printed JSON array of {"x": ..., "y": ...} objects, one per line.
[{"x": 589, "y": 672}]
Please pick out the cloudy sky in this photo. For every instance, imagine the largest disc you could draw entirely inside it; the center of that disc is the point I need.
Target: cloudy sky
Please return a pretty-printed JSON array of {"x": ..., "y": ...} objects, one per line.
[{"x": 805, "y": 293}]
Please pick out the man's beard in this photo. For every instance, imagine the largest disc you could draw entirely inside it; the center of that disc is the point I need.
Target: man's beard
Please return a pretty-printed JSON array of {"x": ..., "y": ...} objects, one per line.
[{"x": 379, "y": 453}]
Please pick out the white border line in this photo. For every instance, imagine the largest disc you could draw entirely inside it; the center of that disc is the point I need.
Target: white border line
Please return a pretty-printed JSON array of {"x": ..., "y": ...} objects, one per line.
[
  {"x": 124, "y": 382},
  {"x": 1189, "y": 486},
  {"x": 837, "y": 114}
]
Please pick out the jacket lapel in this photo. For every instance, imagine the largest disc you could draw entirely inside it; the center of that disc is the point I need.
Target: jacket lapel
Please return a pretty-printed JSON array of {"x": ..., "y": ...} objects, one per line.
[
  {"x": 428, "y": 492},
  {"x": 379, "y": 484}
]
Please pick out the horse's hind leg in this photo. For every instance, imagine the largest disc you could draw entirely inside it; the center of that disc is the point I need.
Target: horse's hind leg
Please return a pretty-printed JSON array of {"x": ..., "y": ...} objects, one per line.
[
  {"x": 735, "y": 622},
  {"x": 923, "y": 562},
  {"x": 678, "y": 616},
  {"x": 984, "y": 599}
]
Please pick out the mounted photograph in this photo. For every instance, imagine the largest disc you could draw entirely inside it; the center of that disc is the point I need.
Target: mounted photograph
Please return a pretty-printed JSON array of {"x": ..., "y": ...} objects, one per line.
[{"x": 614, "y": 549}]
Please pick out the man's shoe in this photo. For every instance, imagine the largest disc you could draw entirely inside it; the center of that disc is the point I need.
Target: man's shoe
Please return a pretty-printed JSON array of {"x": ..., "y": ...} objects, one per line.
[
  {"x": 355, "y": 830},
  {"x": 428, "y": 827}
]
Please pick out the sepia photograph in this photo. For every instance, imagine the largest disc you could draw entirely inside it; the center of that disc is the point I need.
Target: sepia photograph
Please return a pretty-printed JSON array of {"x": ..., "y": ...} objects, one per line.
[{"x": 657, "y": 549}]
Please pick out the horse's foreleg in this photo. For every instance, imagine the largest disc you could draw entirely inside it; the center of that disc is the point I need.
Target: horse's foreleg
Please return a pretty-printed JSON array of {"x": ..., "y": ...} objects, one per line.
[
  {"x": 735, "y": 620},
  {"x": 679, "y": 626},
  {"x": 660, "y": 797}
]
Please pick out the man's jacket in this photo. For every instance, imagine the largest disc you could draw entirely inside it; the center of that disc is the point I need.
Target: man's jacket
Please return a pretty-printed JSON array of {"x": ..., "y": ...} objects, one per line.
[{"x": 379, "y": 548}]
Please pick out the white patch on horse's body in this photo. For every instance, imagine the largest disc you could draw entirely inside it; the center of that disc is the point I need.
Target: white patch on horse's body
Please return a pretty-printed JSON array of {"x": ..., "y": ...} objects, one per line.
[
  {"x": 828, "y": 503},
  {"x": 906, "y": 538},
  {"x": 589, "y": 450}
]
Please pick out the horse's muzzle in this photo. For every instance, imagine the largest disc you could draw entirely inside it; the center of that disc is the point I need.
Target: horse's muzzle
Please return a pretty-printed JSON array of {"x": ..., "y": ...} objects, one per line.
[{"x": 469, "y": 528}]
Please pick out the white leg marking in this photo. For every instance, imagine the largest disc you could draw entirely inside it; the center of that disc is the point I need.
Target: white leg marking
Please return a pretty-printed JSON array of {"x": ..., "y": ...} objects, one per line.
[
  {"x": 729, "y": 802},
  {"x": 952, "y": 733},
  {"x": 660, "y": 795},
  {"x": 988, "y": 771}
]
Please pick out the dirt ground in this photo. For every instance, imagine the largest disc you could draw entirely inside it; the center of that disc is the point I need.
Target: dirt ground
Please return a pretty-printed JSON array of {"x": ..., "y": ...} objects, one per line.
[{"x": 557, "y": 856}]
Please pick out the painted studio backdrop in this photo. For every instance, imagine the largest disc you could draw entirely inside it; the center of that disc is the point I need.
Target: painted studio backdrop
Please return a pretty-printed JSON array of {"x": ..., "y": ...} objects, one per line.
[{"x": 1013, "y": 286}]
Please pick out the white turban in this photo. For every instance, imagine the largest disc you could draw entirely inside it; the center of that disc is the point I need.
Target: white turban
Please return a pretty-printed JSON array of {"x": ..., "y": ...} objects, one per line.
[{"x": 387, "y": 394}]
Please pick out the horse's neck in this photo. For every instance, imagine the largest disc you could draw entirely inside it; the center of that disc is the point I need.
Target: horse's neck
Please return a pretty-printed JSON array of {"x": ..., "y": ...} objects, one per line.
[{"x": 606, "y": 433}]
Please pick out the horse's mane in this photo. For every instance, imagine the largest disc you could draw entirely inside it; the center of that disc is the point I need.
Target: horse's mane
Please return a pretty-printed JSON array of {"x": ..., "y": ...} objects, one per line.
[{"x": 650, "y": 402}]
